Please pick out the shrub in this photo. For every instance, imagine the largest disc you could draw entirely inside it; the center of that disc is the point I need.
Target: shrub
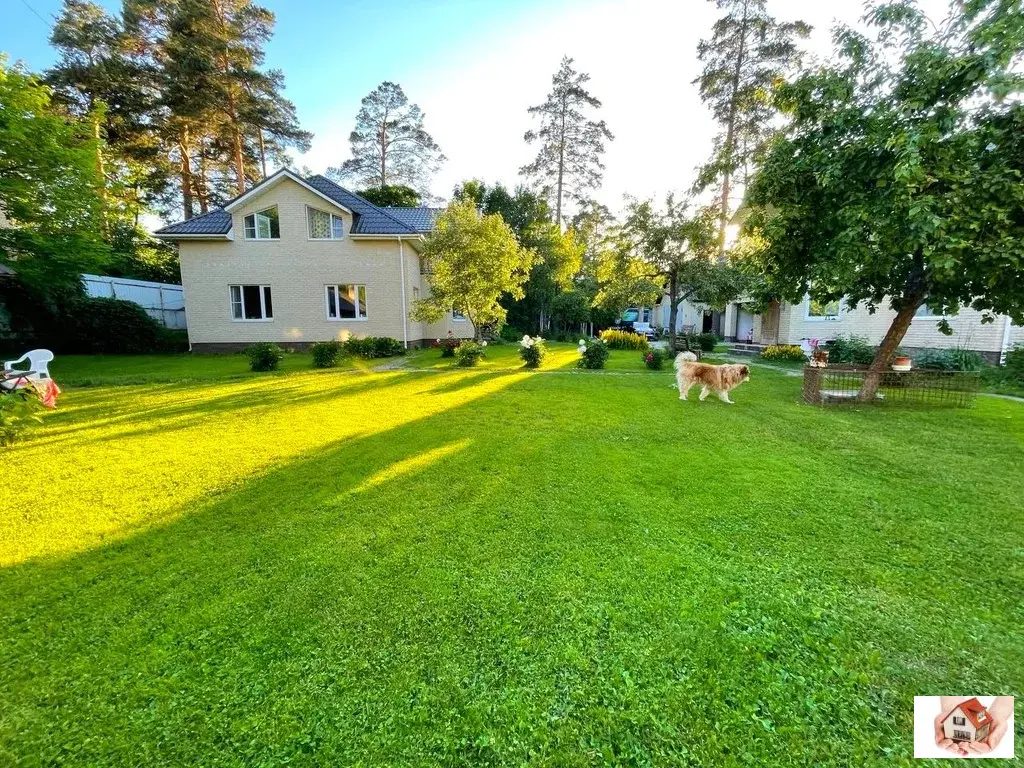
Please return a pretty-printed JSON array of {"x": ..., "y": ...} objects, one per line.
[
  {"x": 469, "y": 353},
  {"x": 374, "y": 346},
  {"x": 1015, "y": 364},
  {"x": 18, "y": 410},
  {"x": 789, "y": 352},
  {"x": 593, "y": 354},
  {"x": 532, "y": 351},
  {"x": 850, "y": 349},
  {"x": 264, "y": 356},
  {"x": 112, "y": 326},
  {"x": 949, "y": 360},
  {"x": 449, "y": 345},
  {"x": 623, "y": 339},
  {"x": 654, "y": 359},
  {"x": 326, "y": 354},
  {"x": 707, "y": 341},
  {"x": 172, "y": 339},
  {"x": 510, "y": 334}
]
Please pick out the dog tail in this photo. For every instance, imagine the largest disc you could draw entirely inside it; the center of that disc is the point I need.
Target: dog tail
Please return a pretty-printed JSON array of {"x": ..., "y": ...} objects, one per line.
[{"x": 685, "y": 357}]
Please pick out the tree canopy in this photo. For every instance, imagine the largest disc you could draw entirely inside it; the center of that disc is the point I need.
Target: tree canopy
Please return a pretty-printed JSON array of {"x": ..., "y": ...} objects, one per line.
[
  {"x": 397, "y": 195},
  {"x": 473, "y": 260},
  {"x": 389, "y": 144},
  {"x": 899, "y": 179}
]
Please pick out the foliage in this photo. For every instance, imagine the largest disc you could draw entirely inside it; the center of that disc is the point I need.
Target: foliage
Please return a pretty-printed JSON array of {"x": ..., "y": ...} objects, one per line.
[
  {"x": 449, "y": 344},
  {"x": 469, "y": 353},
  {"x": 532, "y": 350},
  {"x": 747, "y": 53},
  {"x": 654, "y": 358},
  {"x": 784, "y": 353},
  {"x": 623, "y": 339},
  {"x": 48, "y": 187},
  {"x": 949, "y": 360},
  {"x": 111, "y": 326},
  {"x": 18, "y": 411},
  {"x": 389, "y": 145},
  {"x": 137, "y": 255},
  {"x": 568, "y": 163},
  {"x": 1015, "y": 363},
  {"x": 707, "y": 341},
  {"x": 372, "y": 347},
  {"x": 474, "y": 260},
  {"x": 392, "y": 195},
  {"x": 593, "y": 354},
  {"x": 899, "y": 177},
  {"x": 850, "y": 349},
  {"x": 326, "y": 354},
  {"x": 264, "y": 356}
]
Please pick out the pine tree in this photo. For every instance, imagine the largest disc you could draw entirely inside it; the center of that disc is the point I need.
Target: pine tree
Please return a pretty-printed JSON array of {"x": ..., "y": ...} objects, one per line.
[
  {"x": 389, "y": 144},
  {"x": 748, "y": 51},
  {"x": 568, "y": 163}
]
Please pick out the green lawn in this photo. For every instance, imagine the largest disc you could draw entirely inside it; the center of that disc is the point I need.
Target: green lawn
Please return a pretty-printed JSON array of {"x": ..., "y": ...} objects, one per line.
[{"x": 488, "y": 566}]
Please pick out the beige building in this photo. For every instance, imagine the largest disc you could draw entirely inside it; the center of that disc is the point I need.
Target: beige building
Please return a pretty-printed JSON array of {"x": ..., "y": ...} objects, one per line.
[{"x": 296, "y": 261}]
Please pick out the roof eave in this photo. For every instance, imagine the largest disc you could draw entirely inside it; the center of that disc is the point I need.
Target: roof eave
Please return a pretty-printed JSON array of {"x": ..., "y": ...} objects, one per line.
[{"x": 171, "y": 236}]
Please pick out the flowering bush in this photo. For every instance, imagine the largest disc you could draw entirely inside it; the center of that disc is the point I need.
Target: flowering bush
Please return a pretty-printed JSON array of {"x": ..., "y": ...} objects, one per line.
[
  {"x": 593, "y": 353},
  {"x": 789, "y": 352},
  {"x": 449, "y": 345},
  {"x": 623, "y": 339},
  {"x": 469, "y": 353},
  {"x": 532, "y": 350},
  {"x": 654, "y": 359}
]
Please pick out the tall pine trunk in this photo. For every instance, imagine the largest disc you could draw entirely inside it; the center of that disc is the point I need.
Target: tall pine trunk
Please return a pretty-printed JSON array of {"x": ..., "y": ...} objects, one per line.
[
  {"x": 730, "y": 137},
  {"x": 185, "y": 170},
  {"x": 673, "y": 309}
]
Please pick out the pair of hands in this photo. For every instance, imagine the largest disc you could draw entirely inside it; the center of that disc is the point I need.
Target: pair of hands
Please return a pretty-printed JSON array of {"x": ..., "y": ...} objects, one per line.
[{"x": 1001, "y": 709}]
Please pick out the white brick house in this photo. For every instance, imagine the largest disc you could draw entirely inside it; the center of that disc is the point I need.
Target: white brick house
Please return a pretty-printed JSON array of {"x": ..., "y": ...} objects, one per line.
[{"x": 295, "y": 261}]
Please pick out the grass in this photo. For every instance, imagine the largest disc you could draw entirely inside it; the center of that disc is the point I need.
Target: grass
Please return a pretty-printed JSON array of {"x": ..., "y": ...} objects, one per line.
[{"x": 495, "y": 567}]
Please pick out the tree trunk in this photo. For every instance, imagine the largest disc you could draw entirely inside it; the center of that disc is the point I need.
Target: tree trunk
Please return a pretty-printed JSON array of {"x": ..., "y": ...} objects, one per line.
[
  {"x": 893, "y": 337},
  {"x": 263, "y": 153},
  {"x": 186, "y": 173},
  {"x": 561, "y": 168},
  {"x": 239, "y": 151},
  {"x": 202, "y": 191},
  {"x": 673, "y": 310},
  {"x": 730, "y": 137}
]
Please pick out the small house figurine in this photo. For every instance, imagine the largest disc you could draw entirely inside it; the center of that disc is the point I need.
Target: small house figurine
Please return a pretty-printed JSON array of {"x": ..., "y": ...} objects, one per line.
[{"x": 970, "y": 721}]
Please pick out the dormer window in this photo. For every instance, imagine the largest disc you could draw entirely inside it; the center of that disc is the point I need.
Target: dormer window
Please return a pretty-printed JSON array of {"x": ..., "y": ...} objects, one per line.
[
  {"x": 263, "y": 225},
  {"x": 324, "y": 225}
]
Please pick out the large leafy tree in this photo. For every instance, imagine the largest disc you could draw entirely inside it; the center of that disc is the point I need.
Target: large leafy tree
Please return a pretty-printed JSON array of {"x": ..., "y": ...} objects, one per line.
[
  {"x": 568, "y": 162},
  {"x": 397, "y": 195},
  {"x": 49, "y": 187},
  {"x": 389, "y": 144},
  {"x": 748, "y": 51},
  {"x": 901, "y": 177},
  {"x": 474, "y": 260}
]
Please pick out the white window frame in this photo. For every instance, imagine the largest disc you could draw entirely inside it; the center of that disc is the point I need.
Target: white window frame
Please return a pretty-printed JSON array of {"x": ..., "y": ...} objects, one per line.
[
  {"x": 337, "y": 288},
  {"x": 256, "y": 225},
  {"x": 264, "y": 287},
  {"x": 821, "y": 318},
  {"x": 309, "y": 233},
  {"x": 458, "y": 316}
]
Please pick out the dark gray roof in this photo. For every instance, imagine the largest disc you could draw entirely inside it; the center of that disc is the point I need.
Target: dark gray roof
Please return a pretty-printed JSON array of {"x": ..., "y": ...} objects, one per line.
[
  {"x": 369, "y": 219},
  {"x": 213, "y": 223}
]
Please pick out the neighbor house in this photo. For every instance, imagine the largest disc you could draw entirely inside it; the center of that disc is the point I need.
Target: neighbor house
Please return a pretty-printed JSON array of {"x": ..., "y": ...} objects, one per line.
[
  {"x": 970, "y": 721},
  {"x": 298, "y": 260}
]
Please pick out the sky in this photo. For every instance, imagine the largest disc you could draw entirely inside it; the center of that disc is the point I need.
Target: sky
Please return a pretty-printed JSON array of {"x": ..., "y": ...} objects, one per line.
[{"x": 475, "y": 66}]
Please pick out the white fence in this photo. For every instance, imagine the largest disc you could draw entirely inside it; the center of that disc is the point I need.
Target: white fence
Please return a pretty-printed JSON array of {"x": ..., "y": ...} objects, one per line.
[{"x": 164, "y": 302}]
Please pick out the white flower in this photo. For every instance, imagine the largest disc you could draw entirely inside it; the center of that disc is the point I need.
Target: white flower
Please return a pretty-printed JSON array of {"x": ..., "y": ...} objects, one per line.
[
  {"x": 483, "y": 343},
  {"x": 583, "y": 342},
  {"x": 526, "y": 337},
  {"x": 991, "y": 147},
  {"x": 582, "y": 349}
]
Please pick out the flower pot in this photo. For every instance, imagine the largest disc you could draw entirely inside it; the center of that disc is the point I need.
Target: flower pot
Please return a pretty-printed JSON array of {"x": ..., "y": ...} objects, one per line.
[{"x": 901, "y": 363}]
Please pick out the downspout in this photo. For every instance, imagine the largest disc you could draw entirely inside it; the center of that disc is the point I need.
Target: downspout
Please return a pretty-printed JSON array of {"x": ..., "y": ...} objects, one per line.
[
  {"x": 1006, "y": 341},
  {"x": 405, "y": 307}
]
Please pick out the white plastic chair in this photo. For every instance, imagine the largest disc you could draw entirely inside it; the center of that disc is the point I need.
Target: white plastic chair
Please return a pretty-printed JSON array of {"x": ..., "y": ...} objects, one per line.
[{"x": 38, "y": 363}]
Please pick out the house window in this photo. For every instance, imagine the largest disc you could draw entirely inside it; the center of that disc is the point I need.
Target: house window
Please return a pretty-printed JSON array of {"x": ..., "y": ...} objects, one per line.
[
  {"x": 251, "y": 303},
  {"x": 822, "y": 310},
  {"x": 959, "y": 720},
  {"x": 346, "y": 302},
  {"x": 263, "y": 225},
  {"x": 324, "y": 225},
  {"x": 458, "y": 314},
  {"x": 961, "y": 735}
]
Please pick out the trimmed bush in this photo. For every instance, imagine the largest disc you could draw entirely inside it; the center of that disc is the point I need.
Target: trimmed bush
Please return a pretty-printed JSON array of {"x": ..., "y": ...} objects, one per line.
[
  {"x": 593, "y": 354},
  {"x": 654, "y": 359},
  {"x": 264, "y": 356},
  {"x": 784, "y": 352},
  {"x": 469, "y": 353},
  {"x": 623, "y": 339},
  {"x": 532, "y": 351},
  {"x": 326, "y": 354},
  {"x": 850, "y": 349},
  {"x": 949, "y": 360},
  {"x": 374, "y": 346},
  {"x": 707, "y": 341},
  {"x": 112, "y": 326}
]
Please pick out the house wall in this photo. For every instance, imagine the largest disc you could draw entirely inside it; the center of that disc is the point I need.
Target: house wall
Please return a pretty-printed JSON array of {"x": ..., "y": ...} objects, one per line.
[
  {"x": 298, "y": 269},
  {"x": 689, "y": 313},
  {"x": 948, "y": 727}
]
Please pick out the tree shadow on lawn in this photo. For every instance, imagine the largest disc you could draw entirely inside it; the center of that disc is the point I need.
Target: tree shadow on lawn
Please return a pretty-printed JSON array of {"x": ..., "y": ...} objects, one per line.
[{"x": 468, "y": 588}]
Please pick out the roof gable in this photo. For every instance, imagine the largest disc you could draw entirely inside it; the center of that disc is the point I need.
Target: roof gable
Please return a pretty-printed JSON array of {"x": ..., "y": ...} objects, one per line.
[{"x": 974, "y": 711}]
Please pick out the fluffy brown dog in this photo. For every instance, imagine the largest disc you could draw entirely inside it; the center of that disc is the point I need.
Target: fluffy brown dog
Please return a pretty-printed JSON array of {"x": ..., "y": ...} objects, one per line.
[{"x": 718, "y": 378}]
